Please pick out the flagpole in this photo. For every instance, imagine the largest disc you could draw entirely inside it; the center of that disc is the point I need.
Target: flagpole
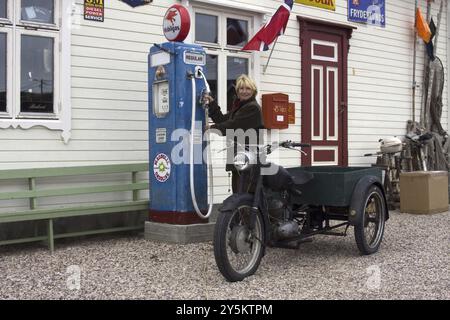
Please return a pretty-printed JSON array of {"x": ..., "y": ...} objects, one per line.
[{"x": 265, "y": 67}]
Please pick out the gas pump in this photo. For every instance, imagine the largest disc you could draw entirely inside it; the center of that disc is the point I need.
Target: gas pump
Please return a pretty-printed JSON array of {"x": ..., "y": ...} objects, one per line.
[{"x": 178, "y": 181}]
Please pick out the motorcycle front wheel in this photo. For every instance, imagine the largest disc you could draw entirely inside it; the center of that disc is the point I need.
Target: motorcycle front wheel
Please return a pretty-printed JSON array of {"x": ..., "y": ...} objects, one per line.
[{"x": 238, "y": 248}]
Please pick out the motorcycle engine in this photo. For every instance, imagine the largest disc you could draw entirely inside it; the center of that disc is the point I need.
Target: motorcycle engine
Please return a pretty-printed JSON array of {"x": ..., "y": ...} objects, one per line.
[
  {"x": 282, "y": 226},
  {"x": 276, "y": 209},
  {"x": 285, "y": 229}
]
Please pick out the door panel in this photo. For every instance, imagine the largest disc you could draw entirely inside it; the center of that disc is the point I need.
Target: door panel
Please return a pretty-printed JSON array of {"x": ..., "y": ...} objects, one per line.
[{"x": 324, "y": 92}]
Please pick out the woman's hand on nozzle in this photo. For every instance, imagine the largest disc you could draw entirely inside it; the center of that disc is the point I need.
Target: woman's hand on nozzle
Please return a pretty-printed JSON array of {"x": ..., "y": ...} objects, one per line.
[{"x": 207, "y": 98}]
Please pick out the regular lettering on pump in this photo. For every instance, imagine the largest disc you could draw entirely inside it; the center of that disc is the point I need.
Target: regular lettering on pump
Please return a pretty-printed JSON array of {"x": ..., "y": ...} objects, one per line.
[{"x": 194, "y": 58}]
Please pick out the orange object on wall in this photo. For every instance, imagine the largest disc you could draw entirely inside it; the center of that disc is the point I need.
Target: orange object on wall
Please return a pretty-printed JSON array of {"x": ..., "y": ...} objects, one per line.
[
  {"x": 423, "y": 30},
  {"x": 291, "y": 113},
  {"x": 275, "y": 110}
]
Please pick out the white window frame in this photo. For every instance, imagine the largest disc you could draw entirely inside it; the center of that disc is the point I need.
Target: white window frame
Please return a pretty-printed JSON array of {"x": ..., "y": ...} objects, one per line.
[
  {"x": 18, "y": 114},
  {"x": 237, "y": 17},
  {"x": 60, "y": 120},
  {"x": 9, "y": 12},
  {"x": 9, "y": 73},
  {"x": 55, "y": 25},
  {"x": 223, "y": 51}
]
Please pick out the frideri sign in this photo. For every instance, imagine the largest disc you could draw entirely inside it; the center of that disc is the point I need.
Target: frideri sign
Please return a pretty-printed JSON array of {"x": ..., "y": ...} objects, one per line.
[
  {"x": 370, "y": 12},
  {"x": 176, "y": 23}
]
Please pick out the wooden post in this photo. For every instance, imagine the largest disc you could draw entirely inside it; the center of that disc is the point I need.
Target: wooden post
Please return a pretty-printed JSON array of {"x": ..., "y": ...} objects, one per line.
[
  {"x": 50, "y": 239},
  {"x": 426, "y": 65},
  {"x": 427, "y": 122},
  {"x": 134, "y": 180},
  {"x": 32, "y": 187}
]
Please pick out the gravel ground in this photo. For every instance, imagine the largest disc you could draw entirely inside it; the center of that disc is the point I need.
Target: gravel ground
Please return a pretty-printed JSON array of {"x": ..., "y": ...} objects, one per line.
[{"x": 412, "y": 263}]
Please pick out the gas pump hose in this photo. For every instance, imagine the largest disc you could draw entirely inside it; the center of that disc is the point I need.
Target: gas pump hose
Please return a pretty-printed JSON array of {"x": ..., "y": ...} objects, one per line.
[{"x": 191, "y": 155}]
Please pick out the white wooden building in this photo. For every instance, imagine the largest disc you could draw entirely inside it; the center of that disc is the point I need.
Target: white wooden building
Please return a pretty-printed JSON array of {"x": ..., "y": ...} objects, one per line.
[{"x": 98, "y": 109}]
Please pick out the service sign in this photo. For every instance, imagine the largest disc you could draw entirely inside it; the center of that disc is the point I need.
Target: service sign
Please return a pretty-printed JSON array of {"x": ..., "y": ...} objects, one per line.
[
  {"x": 94, "y": 10},
  {"x": 324, "y": 4},
  {"x": 370, "y": 12},
  {"x": 176, "y": 23}
]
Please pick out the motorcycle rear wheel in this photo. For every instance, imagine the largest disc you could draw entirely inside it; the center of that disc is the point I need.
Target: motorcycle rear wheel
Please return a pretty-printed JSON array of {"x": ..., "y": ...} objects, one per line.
[{"x": 238, "y": 250}]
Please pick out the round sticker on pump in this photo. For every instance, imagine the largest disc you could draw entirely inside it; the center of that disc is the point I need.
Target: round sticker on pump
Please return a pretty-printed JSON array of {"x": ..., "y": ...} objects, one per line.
[
  {"x": 161, "y": 167},
  {"x": 176, "y": 23}
]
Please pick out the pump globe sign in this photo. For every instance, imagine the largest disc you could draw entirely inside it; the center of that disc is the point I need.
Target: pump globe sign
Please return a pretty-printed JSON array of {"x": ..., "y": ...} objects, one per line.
[
  {"x": 371, "y": 12},
  {"x": 176, "y": 23}
]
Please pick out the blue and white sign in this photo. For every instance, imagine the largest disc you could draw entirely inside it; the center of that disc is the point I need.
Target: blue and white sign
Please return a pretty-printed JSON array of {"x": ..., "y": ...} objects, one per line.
[{"x": 370, "y": 12}]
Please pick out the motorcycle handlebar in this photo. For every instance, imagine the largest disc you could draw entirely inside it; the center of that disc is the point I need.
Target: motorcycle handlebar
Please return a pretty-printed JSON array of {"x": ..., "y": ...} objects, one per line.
[
  {"x": 298, "y": 144},
  {"x": 290, "y": 144}
]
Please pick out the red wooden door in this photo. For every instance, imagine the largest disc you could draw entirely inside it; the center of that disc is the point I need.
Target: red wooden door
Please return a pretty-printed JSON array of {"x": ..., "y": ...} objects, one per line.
[{"x": 324, "y": 92}]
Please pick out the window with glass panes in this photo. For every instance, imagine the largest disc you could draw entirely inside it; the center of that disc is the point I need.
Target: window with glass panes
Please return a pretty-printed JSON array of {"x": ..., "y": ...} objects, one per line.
[
  {"x": 223, "y": 35},
  {"x": 29, "y": 36}
]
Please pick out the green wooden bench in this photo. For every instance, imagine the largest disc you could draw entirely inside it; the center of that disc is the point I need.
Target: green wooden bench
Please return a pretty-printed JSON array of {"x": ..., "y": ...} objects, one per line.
[{"x": 32, "y": 178}]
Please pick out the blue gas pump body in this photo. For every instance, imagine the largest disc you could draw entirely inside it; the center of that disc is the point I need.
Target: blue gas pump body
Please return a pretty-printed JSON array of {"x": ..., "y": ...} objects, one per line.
[{"x": 171, "y": 66}]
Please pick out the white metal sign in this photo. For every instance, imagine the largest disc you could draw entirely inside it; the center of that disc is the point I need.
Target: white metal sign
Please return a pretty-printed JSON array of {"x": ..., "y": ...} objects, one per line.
[
  {"x": 161, "y": 99},
  {"x": 195, "y": 58},
  {"x": 161, "y": 135},
  {"x": 160, "y": 58}
]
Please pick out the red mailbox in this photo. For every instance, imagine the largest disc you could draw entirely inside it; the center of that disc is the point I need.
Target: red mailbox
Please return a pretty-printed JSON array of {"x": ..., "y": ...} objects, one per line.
[{"x": 275, "y": 110}]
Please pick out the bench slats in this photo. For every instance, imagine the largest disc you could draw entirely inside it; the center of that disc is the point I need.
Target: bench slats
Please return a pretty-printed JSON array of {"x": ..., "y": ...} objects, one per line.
[
  {"x": 71, "y": 171},
  {"x": 61, "y": 212},
  {"x": 72, "y": 191},
  {"x": 72, "y": 234},
  {"x": 73, "y": 209}
]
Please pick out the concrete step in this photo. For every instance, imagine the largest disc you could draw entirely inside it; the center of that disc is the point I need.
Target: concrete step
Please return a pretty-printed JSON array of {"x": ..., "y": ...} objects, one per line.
[{"x": 181, "y": 234}]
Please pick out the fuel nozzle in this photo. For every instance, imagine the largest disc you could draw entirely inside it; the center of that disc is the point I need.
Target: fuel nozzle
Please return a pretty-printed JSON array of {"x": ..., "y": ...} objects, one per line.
[
  {"x": 198, "y": 72},
  {"x": 206, "y": 91}
]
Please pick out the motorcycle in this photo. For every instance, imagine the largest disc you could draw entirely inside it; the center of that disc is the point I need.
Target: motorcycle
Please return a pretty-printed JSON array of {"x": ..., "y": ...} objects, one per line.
[
  {"x": 290, "y": 206},
  {"x": 392, "y": 159}
]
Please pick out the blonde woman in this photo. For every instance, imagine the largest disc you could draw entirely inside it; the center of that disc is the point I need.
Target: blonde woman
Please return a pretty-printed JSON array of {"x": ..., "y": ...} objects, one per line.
[{"x": 245, "y": 114}]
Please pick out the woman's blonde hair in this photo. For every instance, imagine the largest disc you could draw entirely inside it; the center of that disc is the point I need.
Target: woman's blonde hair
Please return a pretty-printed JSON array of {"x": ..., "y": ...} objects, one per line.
[{"x": 244, "y": 80}]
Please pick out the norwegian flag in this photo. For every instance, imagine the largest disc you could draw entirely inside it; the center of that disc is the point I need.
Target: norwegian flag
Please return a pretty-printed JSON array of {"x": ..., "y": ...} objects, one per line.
[{"x": 272, "y": 29}]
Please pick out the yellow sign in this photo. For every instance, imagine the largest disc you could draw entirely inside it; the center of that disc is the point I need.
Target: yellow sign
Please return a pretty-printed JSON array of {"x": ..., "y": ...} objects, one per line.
[{"x": 325, "y": 4}]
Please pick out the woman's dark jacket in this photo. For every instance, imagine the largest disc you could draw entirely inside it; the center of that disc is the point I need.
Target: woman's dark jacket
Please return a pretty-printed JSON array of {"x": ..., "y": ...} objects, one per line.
[{"x": 244, "y": 115}]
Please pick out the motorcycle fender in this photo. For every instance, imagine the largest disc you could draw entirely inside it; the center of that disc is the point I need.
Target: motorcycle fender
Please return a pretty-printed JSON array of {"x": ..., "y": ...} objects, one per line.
[
  {"x": 236, "y": 199},
  {"x": 357, "y": 202}
]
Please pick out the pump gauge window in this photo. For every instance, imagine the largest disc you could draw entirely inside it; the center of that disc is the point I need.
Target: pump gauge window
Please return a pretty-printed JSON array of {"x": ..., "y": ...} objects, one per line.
[{"x": 161, "y": 99}]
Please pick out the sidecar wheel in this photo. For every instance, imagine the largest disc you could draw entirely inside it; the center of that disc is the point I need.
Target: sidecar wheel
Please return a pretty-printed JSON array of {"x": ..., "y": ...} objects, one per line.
[
  {"x": 237, "y": 249},
  {"x": 370, "y": 226}
]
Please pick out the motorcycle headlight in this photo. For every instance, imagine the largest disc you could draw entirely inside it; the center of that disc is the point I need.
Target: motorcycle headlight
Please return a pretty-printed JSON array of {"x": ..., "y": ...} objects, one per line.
[{"x": 244, "y": 161}]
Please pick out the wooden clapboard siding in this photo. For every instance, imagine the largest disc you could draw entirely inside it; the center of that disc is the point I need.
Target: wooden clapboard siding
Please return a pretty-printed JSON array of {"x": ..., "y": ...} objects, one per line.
[
  {"x": 109, "y": 86},
  {"x": 379, "y": 73}
]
